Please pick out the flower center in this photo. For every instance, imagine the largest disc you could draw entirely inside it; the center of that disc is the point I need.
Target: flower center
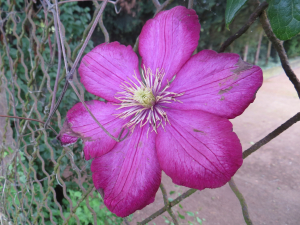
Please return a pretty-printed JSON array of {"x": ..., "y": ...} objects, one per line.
[
  {"x": 145, "y": 100},
  {"x": 145, "y": 97}
]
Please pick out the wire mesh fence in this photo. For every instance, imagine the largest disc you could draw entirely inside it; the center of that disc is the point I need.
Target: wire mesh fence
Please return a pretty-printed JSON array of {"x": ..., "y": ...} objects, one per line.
[{"x": 41, "y": 182}]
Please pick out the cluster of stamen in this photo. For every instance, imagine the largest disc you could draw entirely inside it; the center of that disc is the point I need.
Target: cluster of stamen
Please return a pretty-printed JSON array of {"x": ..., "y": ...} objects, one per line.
[{"x": 145, "y": 100}]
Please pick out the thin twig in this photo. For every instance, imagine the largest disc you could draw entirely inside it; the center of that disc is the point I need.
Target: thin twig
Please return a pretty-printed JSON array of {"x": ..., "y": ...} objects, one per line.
[
  {"x": 281, "y": 52},
  {"x": 70, "y": 74},
  {"x": 136, "y": 45},
  {"x": 57, "y": 103},
  {"x": 272, "y": 135},
  {"x": 257, "y": 12},
  {"x": 55, "y": 12},
  {"x": 191, "y": 3},
  {"x": 156, "y": 3},
  {"x": 58, "y": 64},
  {"x": 46, "y": 24},
  {"x": 67, "y": 1},
  {"x": 126, "y": 221},
  {"x": 242, "y": 200},
  {"x": 167, "y": 204},
  {"x": 164, "y": 209},
  {"x": 162, "y": 7},
  {"x": 87, "y": 39},
  {"x": 60, "y": 46},
  {"x": 119, "y": 139},
  {"x": 269, "y": 137},
  {"x": 29, "y": 114}
]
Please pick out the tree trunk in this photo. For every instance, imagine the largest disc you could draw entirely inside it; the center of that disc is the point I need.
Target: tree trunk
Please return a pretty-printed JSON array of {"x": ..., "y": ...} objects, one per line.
[
  {"x": 268, "y": 52},
  {"x": 246, "y": 52},
  {"x": 258, "y": 47}
]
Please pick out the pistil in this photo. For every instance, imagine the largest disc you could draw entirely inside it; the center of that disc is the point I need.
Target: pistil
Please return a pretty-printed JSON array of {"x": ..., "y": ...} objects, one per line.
[{"x": 144, "y": 96}]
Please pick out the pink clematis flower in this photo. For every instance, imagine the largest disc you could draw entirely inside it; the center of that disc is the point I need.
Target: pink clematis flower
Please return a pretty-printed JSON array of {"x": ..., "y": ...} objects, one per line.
[{"x": 179, "y": 127}]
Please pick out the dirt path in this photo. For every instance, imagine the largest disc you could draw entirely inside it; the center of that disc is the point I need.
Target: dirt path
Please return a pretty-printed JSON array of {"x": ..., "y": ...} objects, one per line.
[{"x": 269, "y": 179}]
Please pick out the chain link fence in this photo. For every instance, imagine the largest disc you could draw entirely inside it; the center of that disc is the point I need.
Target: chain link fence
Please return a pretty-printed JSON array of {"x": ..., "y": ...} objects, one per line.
[{"x": 41, "y": 182}]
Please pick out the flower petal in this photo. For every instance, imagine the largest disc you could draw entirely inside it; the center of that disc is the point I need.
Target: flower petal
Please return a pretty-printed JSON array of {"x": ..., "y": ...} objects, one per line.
[
  {"x": 129, "y": 175},
  {"x": 80, "y": 124},
  {"x": 104, "y": 68},
  {"x": 198, "y": 149},
  {"x": 168, "y": 41},
  {"x": 222, "y": 84}
]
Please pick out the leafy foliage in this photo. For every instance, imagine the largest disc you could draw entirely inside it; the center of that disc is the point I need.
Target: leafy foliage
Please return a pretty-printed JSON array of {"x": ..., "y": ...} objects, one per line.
[
  {"x": 293, "y": 46},
  {"x": 284, "y": 17},
  {"x": 104, "y": 216},
  {"x": 126, "y": 26},
  {"x": 34, "y": 196},
  {"x": 232, "y": 7}
]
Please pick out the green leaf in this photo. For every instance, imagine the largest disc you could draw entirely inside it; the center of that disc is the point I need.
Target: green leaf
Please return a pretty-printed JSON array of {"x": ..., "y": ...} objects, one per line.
[
  {"x": 77, "y": 194},
  {"x": 199, "y": 220},
  {"x": 166, "y": 220},
  {"x": 181, "y": 216},
  {"x": 284, "y": 16},
  {"x": 232, "y": 7},
  {"x": 190, "y": 213},
  {"x": 172, "y": 192}
]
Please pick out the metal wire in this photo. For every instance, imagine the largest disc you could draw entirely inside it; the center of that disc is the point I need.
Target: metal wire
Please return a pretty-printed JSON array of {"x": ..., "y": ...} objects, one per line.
[{"x": 25, "y": 196}]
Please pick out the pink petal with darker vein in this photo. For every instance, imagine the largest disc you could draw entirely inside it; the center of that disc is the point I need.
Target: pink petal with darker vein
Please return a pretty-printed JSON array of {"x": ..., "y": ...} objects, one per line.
[
  {"x": 104, "y": 68},
  {"x": 80, "y": 124},
  {"x": 129, "y": 175},
  {"x": 167, "y": 41},
  {"x": 198, "y": 150},
  {"x": 222, "y": 84}
]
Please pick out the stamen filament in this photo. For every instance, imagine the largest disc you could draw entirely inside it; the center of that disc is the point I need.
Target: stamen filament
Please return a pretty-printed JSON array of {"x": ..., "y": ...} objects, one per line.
[{"x": 143, "y": 99}]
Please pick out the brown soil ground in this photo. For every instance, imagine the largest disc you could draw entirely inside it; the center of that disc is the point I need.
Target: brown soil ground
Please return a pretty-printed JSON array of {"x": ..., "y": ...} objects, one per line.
[{"x": 269, "y": 179}]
